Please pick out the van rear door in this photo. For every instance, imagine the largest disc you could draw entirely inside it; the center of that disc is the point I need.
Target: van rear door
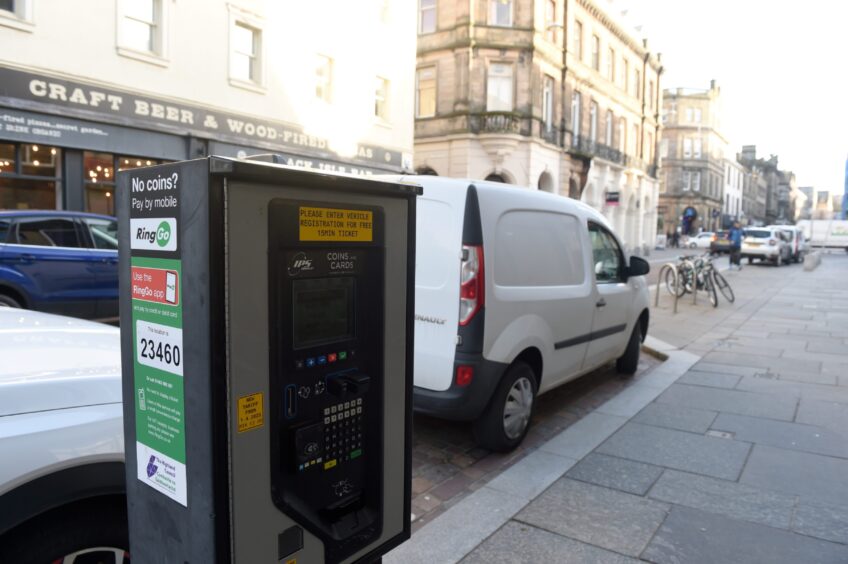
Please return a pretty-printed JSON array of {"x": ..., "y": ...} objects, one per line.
[{"x": 437, "y": 270}]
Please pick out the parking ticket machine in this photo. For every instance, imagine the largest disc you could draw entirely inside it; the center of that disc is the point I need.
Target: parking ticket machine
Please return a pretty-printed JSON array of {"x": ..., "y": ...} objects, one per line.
[{"x": 267, "y": 361}]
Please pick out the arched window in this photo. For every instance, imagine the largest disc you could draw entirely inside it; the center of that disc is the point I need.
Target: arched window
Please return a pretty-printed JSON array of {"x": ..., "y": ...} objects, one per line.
[
  {"x": 546, "y": 182},
  {"x": 495, "y": 177},
  {"x": 426, "y": 171}
]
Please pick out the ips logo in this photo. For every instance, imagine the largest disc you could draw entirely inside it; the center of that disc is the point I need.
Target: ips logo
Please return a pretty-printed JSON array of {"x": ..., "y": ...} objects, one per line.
[
  {"x": 300, "y": 263},
  {"x": 153, "y": 234}
]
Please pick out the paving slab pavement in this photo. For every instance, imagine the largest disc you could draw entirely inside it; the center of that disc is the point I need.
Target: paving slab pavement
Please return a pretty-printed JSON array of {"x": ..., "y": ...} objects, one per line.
[{"x": 734, "y": 450}]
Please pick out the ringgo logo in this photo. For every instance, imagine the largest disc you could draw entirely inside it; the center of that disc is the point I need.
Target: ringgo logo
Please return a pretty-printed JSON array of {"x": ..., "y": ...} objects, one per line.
[{"x": 153, "y": 234}]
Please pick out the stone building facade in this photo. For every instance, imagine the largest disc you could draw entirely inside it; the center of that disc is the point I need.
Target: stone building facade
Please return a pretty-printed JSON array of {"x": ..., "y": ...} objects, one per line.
[
  {"x": 554, "y": 95},
  {"x": 693, "y": 151},
  {"x": 162, "y": 81}
]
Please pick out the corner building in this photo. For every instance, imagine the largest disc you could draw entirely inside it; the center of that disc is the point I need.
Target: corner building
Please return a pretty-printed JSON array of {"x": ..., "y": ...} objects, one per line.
[
  {"x": 556, "y": 95},
  {"x": 87, "y": 92}
]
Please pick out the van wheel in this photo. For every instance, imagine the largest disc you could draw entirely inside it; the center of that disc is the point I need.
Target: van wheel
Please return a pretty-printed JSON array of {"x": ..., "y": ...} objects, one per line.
[
  {"x": 6, "y": 301},
  {"x": 627, "y": 363},
  {"x": 504, "y": 422},
  {"x": 750, "y": 260}
]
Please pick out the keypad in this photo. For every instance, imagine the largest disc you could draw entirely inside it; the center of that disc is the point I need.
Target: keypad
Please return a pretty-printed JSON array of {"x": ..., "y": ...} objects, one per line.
[{"x": 343, "y": 424}]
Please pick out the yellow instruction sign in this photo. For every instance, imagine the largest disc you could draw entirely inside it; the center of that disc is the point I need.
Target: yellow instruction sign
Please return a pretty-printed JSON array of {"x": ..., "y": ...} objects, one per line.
[
  {"x": 329, "y": 224},
  {"x": 251, "y": 413}
]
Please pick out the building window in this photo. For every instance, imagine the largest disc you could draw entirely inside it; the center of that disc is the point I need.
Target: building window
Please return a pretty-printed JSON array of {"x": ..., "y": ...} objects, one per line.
[
  {"x": 608, "y": 133},
  {"x": 245, "y": 53},
  {"x": 499, "y": 88},
  {"x": 16, "y": 14},
  {"x": 381, "y": 99},
  {"x": 687, "y": 148},
  {"x": 141, "y": 26},
  {"x": 625, "y": 76},
  {"x": 578, "y": 40},
  {"x": 426, "y": 16},
  {"x": 637, "y": 84},
  {"x": 596, "y": 52},
  {"x": 622, "y": 135},
  {"x": 649, "y": 147},
  {"x": 664, "y": 148},
  {"x": 687, "y": 180},
  {"x": 425, "y": 92},
  {"x": 324, "y": 78},
  {"x": 696, "y": 180},
  {"x": 575, "y": 119},
  {"x": 550, "y": 20},
  {"x": 611, "y": 64},
  {"x": 696, "y": 148},
  {"x": 635, "y": 139},
  {"x": 593, "y": 122},
  {"x": 697, "y": 115},
  {"x": 548, "y": 103},
  {"x": 651, "y": 94},
  {"x": 30, "y": 176},
  {"x": 500, "y": 13}
]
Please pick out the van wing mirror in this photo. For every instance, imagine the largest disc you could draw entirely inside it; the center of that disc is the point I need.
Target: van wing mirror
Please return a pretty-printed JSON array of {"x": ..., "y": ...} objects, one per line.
[{"x": 638, "y": 267}]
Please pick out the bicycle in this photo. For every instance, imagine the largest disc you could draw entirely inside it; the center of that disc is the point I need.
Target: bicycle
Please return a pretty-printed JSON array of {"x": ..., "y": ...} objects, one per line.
[{"x": 699, "y": 272}]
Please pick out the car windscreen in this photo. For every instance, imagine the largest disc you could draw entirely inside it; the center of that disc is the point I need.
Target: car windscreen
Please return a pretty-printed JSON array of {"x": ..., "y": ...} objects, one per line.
[{"x": 758, "y": 233}]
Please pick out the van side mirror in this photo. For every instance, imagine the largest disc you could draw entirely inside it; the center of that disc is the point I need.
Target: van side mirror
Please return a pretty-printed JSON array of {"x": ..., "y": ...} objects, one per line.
[{"x": 638, "y": 267}]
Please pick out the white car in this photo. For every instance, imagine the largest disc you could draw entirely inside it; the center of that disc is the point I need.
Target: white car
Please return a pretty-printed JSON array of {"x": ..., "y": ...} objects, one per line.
[
  {"x": 770, "y": 244},
  {"x": 517, "y": 292},
  {"x": 702, "y": 240},
  {"x": 62, "y": 492}
]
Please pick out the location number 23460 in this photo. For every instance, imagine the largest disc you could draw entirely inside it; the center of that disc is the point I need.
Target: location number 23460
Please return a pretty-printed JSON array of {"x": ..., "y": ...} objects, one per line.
[{"x": 159, "y": 346}]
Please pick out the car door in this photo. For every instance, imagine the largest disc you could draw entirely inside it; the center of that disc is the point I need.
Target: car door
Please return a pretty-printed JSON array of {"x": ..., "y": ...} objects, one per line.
[
  {"x": 613, "y": 297},
  {"x": 102, "y": 234},
  {"x": 48, "y": 250}
]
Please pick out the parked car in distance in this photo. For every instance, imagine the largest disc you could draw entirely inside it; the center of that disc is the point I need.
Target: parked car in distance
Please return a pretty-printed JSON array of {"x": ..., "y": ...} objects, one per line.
[
  {"x": 798, "y": 243},
  {"x": 720, "y": 242},
  {"x": 766, "y": 244},
  {"x": 62, "y": 492},
  {"x": 59, "y": 262},
  {"x": 517, "y": 292},
  {"x": 701, "y": 240}
]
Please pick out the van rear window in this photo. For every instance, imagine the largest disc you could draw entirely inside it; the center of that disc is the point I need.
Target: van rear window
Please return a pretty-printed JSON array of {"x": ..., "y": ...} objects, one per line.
[
  {"x": 758, "y": 233},
  {"x": 535, "y": 248}
]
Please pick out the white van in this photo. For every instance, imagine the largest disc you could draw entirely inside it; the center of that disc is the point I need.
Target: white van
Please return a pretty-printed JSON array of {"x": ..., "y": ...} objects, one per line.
[{"x": 517, "y": 292}]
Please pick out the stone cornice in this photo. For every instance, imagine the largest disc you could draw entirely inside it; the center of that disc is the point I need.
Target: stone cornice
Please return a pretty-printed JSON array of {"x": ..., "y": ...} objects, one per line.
[{"x": 616, "y": 29}]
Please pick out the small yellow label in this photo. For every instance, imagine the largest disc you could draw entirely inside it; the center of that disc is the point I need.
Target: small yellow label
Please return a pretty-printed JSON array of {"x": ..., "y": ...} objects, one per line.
[
  {"x": 329, "y": 464},
  {"x": 327, "y": 224},
  {"x": 251, "y": 413},
  {"x": 291, "y": 561}
]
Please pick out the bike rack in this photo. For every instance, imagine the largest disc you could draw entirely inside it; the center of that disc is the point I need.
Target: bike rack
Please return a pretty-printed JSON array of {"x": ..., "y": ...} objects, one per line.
[{"x": 670, "y": 266}]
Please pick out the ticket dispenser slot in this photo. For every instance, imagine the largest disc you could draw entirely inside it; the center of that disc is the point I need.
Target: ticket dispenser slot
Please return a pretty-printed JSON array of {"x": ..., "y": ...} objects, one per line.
[{"x": 326, "y": 375}]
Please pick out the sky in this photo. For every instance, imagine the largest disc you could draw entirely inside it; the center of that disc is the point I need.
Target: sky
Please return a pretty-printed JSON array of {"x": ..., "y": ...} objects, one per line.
[{"x": 782, "y": 67}]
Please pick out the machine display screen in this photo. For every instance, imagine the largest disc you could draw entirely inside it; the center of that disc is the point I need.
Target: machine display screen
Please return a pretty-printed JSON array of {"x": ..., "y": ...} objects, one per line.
[{"x": 322, "y": 311}]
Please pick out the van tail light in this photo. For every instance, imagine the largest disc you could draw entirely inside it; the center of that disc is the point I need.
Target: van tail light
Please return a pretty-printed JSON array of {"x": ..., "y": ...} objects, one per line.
[
  {"x": 464, "y": 375},
  {"x": 471, "y": 283},
  {"x": 714, "y": 237},
  {"x": 772, "y": 242}
]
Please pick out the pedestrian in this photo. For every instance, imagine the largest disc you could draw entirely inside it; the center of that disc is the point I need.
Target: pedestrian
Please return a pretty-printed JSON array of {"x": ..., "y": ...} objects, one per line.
[{"x": 735, "y": 237}]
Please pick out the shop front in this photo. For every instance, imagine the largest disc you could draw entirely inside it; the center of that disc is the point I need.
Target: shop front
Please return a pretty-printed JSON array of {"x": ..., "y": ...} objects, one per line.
[{"x": 62, "y": 141}]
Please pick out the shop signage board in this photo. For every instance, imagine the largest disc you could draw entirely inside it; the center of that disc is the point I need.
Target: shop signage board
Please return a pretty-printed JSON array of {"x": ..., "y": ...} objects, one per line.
[{"x": 45, "y": 93}]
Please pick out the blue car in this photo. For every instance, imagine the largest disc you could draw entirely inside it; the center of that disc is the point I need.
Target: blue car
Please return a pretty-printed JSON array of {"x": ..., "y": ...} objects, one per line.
[{"x": 59, "y": 262}]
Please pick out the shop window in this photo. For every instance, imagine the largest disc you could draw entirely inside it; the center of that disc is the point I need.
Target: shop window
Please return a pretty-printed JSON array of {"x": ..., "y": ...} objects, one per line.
[
  {"x": 7, "y": 158},
  {"x": 27, "y": 194},
  {"x": 99, "y": 178},
  {"x": 38, "y": 160},
  {"x": 29, "y": 176}
]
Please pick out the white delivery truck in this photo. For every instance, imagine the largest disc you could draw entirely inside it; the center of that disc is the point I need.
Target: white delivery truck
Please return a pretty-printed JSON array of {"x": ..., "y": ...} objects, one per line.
[
  {"x": 517, "y": 292},
  {"x": 825, "y": 233}
]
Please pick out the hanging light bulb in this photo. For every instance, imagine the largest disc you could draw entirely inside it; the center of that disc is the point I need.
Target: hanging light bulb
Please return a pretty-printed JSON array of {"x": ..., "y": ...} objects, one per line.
[{"x": 35, "y": 148}]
